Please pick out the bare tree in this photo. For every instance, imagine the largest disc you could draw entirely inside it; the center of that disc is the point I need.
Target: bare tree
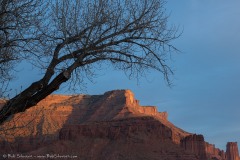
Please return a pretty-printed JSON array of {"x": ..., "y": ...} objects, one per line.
[
  {"x": 18, "y": 32},
  {"x": 132, "y": 36}
]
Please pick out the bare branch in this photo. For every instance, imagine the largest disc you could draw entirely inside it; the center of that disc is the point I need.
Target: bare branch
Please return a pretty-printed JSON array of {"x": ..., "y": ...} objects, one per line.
[{"x": 71, "y": 36}]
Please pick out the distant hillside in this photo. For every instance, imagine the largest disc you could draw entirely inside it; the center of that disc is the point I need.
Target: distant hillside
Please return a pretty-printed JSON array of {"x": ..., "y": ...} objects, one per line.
[{"x": 112, "y": 126}]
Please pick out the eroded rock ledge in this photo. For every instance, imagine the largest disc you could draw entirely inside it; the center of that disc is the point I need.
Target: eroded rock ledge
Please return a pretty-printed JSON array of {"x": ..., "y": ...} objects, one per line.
[{"x": 69, "y": 122}]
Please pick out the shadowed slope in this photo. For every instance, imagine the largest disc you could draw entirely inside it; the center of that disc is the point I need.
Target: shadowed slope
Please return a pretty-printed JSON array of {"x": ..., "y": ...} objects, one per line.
[{"x": 110, "y": 126}]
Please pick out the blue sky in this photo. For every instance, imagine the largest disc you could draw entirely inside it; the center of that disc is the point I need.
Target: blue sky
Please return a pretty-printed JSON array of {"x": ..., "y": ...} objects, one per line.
[
  {"x": 205, "y": 97},
  {"x": 207, "y": 91}
]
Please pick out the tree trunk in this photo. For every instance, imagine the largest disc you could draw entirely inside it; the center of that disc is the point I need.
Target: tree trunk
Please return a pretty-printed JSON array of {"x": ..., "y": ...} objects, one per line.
[{"x": 31, "y": 96}]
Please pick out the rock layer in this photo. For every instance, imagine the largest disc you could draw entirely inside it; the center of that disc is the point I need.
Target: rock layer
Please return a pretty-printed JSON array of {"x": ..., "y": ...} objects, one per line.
[
  {"x": 213, "y": 152},
  {"x": 196, "y": 144},
  {"x": 110, "y": 126},
  {"x": 232, "y": 151}
]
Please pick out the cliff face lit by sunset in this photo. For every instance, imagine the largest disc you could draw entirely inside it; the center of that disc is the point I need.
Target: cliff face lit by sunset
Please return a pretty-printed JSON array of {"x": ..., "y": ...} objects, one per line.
[{"x": 95, "y": 126}]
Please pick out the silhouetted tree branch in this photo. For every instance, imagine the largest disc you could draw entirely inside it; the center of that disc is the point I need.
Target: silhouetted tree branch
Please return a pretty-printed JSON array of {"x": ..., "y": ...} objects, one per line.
[
  {"x": 132, "y": 36},
  {"x": 19, "y": 22}
]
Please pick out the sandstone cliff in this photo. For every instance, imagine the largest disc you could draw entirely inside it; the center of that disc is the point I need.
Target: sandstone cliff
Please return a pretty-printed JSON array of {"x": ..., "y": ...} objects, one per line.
[
  {"x": 109, "y": 126},
  {"x": 213, "y": 152},
  {"x": 232, "y": 151},
  {"x": 196, "y": 144}
]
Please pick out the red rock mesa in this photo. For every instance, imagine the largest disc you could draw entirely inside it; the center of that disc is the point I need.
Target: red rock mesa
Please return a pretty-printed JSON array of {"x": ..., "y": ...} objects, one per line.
[{"x": 112, "y": 126}]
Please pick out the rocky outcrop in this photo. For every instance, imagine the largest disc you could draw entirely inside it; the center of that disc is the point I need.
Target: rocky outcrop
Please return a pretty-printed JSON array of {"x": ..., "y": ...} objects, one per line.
[
  {"x": 205, "y": 151},
  {"x": 213, "y": 152},
  {"x": 118, "y": 129},
  {"x": 195, "y": 144},
  {"x": 110, "y": 126},
  {"x": 232, "y": 151}
]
